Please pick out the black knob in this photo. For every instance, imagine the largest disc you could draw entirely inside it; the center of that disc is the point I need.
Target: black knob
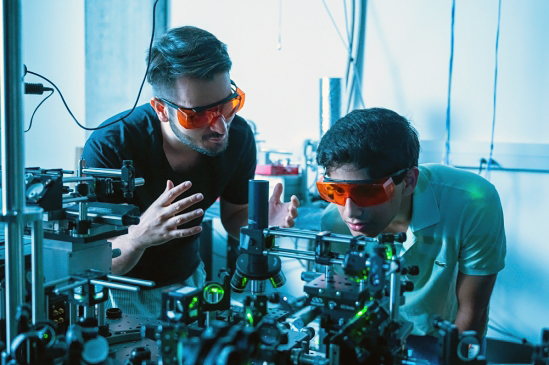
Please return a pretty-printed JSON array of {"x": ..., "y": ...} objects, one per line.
[
  {"x": 411, "y": 270},
  {"x": 274, "y": 298},
  {"x": 400, "y": 237},
  {"x": 114, "y": 313},
  {"x": 284, "y": 337},
  {"x": 104, "y": 331},
  {"x": 310, "y": 332},
  {"x": 128, "y": 220},
  {"x": 149, "y": 331},
  {"x": 83, "y": 189},
  {"x": 116, "y": 252},
  {"x": 140, "y": 354},
  {"x": 407, "y": 286},
  {"x": 88, "y": 322},
  {"x": 309, "y": 276}
]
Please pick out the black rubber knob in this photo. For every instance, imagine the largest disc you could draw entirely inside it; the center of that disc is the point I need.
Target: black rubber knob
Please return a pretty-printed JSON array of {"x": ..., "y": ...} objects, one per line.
[
  {"x": 129, "y": 220},
  {"x": 413, "y": 270},
  {"x": 88, "y": 322},
  {"x": 407, "y": 286},
  {"x": 140, "y": 354},
  {"x": 310, "y": 332},
  {"x": 104, "y": 331},
  {"x": 149, "y": 331},
  {"x": 274, "y": 298},
  {"x": 116, "y": 252},
  {"x": 114, "y": 313}
]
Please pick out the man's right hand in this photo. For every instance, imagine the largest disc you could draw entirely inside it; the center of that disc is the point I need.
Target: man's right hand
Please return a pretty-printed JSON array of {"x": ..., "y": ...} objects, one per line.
[{"x": 160, "y": 221}]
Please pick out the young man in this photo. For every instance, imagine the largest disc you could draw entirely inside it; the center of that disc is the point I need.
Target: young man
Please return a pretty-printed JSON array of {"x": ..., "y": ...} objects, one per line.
[
  {"x": 453, "y": 218},
  {"x": 191, "y": 148}
]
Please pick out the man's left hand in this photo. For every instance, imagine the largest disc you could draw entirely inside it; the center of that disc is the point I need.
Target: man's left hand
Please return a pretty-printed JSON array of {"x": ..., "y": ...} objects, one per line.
[{"x": 282, "y": 214}]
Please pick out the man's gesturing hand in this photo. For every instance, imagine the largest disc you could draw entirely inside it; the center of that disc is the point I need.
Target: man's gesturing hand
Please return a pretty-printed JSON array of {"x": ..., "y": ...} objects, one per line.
[
  {"x": 160, "y": 221},
  {"x": 282, "y": 214}
]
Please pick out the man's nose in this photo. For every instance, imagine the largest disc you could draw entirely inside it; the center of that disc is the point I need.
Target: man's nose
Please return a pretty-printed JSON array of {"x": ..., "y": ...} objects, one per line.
[
  {"x": 352, "y": 210},
  {"x": 220, "y": 125}
]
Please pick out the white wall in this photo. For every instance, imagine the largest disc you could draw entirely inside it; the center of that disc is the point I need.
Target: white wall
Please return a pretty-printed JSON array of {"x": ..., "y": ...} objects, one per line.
[
  {"x": 407, "y": 58},
  {"x": 406, "y": 69},
  {"x": 281, "y": 86},
  {"x": 118, "y": 35},
  {"x": 54, "y": 46}
]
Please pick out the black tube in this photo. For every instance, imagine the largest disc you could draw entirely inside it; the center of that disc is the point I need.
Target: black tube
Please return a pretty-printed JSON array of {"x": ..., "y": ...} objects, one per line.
[{"x": 258, "y": 204}]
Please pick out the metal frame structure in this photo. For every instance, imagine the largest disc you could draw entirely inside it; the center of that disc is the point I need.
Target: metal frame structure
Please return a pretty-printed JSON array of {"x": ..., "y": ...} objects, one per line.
[{"x": 15, "y": 215}]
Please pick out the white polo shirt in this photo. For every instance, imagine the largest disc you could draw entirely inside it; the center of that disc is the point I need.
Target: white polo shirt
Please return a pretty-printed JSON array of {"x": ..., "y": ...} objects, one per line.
[{"x": 457, "y": 224}]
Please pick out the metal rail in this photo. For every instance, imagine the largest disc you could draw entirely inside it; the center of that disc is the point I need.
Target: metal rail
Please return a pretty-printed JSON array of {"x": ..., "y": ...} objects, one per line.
[{"x": 312, "y": 235}]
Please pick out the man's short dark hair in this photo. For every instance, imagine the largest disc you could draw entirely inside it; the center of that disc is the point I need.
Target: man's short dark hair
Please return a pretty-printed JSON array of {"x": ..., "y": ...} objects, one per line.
[
  {"x": 377, "y": 139},
  {"x": 186, "y": 52}
]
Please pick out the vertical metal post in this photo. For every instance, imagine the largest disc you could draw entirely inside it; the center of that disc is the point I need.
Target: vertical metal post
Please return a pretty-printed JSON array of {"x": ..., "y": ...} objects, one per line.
[
  {"x": 101, "y": 317},
  {"x": 394, "y": 295},
  {"x": 73, "y": 313},
  {"x": 311, "y": 266},
  {"x": 258, "y": 286},
  {"x": 210, "y": 317},
  {"x": 328, "y": 272},
  {"x": 362, "y": 285},
  {"x": 89, "y": 311},
  {"x": 82, "y": 211},
  {"x": 37, "y": 264},
  {"x": 330, "y": 103},
  {"x": 334, "y": 354},
  {"x": 13, "y": 157}
]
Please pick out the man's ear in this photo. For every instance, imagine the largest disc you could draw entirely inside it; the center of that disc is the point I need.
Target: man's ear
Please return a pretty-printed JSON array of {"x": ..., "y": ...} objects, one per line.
[
  {"x": 410, "y": 181},
  {"x": 160, "y": 109}
]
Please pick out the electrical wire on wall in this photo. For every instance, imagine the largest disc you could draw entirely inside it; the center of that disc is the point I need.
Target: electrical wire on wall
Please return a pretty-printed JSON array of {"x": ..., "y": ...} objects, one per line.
[
  {"x": 446, "y": 160},
  {"x": 490, "y": 159},
  {"x": 356, "y": 55},
  {"x": 136, "y": 100},
  {"x": 355, "y": 50},
  {"x": 36, "y": 89},
  {"x": 35, "y": 109}
]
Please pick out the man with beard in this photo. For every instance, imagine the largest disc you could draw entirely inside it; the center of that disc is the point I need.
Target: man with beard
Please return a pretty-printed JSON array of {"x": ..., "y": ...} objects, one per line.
[{"x": 191, "y": 148}]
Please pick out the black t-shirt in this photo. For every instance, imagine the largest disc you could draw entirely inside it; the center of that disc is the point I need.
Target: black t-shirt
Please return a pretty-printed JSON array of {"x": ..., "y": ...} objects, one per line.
[{"x": 139, "y": 138}]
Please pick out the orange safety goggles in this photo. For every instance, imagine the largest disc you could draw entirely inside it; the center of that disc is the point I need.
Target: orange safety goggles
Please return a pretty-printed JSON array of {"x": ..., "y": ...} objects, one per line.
[
  {"x": 364, "y": 193},
  {"x": 205, "y": 116}
]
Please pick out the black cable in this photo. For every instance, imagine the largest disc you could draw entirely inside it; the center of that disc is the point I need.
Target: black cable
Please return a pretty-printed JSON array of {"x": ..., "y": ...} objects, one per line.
[
  {"x": 346, "y": 20},
  {"x": 350, "y": 61},
  {"x": 350, "y": 36},
  {"x": 490, "y": 161},
  {"x": 138, "y": 95},
  {"x": 35, "y": 109},
  {"x": 482, "y": 162},
  {"x": 335, "y": 24},
  {"x": 450, "y": 72}
]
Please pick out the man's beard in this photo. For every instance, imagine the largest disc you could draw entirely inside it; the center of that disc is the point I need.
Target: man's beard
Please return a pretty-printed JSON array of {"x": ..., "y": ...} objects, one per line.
[{"x": 213, "y": 151}]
